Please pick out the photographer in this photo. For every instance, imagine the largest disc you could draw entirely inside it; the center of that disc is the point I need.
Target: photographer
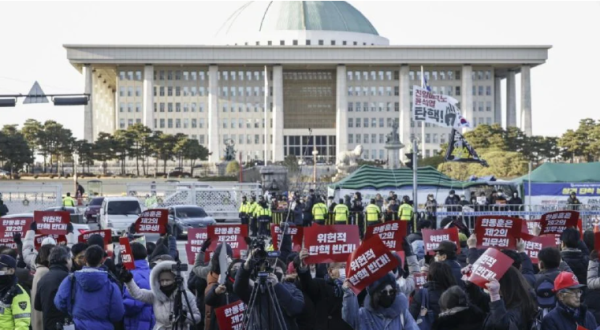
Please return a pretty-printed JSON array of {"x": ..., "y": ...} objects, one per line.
[
  {"x": 218, "y": 295},
  {"x": 162, "y": 294},
  {"x": 212, "y": 279}
]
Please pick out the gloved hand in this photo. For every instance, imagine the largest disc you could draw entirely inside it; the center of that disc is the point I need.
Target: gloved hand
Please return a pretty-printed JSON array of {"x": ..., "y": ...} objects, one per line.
[
  {"x": 494, "y": 290},
  {"x": 33, "y": 226},
  {"x": 17, "y": 238},
  {"x": 69, "y": 228},
  {"x": 125, "y": 276},
  {"x": 132, "y": 228},
  {"x": 205, "y": 245},
  {"x": 472, "y": 241},
  {"x": 593, "y": 255},
  {"x": 407, "y": 248}
]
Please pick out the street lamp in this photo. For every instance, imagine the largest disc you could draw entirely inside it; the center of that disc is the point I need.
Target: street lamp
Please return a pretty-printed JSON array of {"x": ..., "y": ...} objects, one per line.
[{"x": 315, "y": 153}]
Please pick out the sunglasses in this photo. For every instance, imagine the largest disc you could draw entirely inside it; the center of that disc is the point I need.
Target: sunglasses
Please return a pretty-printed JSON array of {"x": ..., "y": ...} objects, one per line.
[{"x": 389, "y": 292}]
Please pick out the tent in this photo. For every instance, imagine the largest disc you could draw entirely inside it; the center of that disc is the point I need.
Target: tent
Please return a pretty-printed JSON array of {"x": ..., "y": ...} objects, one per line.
[
  {"x": 370, "y": 180},
  {"x": 564, "y": 172}
]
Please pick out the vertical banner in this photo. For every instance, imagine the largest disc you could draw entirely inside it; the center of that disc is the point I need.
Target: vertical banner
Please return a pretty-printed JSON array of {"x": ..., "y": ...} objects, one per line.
[
  {"x": 534, "y": 244},
  {"x": 497, "y": 231},
  {"x": 51, "y": 223},
  {"x": 557, "y": 222},
  {"x": 433, "y": 238},
  {"x": 9, "y": 227},
  {"x": 126, "y": 255},
  {"x": 391, "y": 233},
  {"x": 231, "y": 316},
  {"x": 152, "y": 222},
  {"x": 196, "y": 237},
  {"x": 295, "y": 231},
  {"x": 371, "y": 261},
  {"x": 327, "y": 244},
  {"x": 230, "y": 234},
  {"x": 491, "y": 265}
]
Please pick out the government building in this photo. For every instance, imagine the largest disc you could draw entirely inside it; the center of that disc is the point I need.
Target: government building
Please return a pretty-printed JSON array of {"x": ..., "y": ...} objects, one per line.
[{"x": 294, "y": 75}]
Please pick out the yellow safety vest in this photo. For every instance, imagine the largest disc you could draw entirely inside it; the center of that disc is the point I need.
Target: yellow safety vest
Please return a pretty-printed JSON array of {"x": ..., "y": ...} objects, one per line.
[
  {"x": 68, "y": 201},
  {"x": 372, "y": 211},
  {"x": 341, "y": 213},
  {"x": 405, "y": 213},
  {"x": 252, "y": 207},
  {"x": 319, "y": 211},
  {"x": 244, "y": 207}
]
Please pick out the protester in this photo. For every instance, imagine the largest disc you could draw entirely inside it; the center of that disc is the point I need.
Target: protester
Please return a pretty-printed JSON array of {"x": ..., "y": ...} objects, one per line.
[
  {"x": 29, "y": 250},
  {"x": 446, "y": 253},
  {"x": 218, "y": 295},
  {"x": 572, "y": 255},
  {"x": 78, "y": 252},
  {"x": 439, "y": 279},
  {"x": 457, "y": 313},
  {"x": 60, "y": 262},
  {"x": 592, "y": 298},
  {"x": 138, "y": 315},
  {"x": 573, "y": 202},
  {"x": 3, "y": 208},
  {"x": 309, "y": 202},
  {"x": 15, "y": 311},
  {"x": 42, "y": 264},
  {"x": 212, "y": 279},
  {"x": 569, "y": 314}
]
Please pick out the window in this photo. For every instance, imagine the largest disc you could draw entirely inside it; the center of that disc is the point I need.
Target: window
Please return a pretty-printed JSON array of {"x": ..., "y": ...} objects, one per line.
[
  {"x": 434, "y": 74},
  {"x": 396, "y": 91},
  {"x": 427, "y": 138},
  {"x": 474, "y": 90},
  {"x": 350, "y": 106},
  {"x": 138, "y": 107},
  {"x": 373, "y": 122},
  {"x": 488, "y": 106},
  {"x": 249, "y": 75},
  {"x": 193, "y": 75},
  {"x": 358, "y": 122},
  {"x": 418, "y": 75},
  {"x": 350, "y": 138},
  {"x": 373, "y": 138},
  {"x": 194, "y": 123},
  {"x": 479, "y": 75},
  {"x": 169, "y": 91},
  {"x": 380, "y": 91},
  {"x": 357, "y": 106},
  {"x": 201, "y": 123},
  {"x": 480, "y": 105},
  {"x": 178, "y": 123},
  {"x": 333, "y": 42},
  {"x": 350, "y": 91},
  {"x": 397, "y": 106},
  {"x": 201, "y": 75},
  {"x": 129, "y": 122},
  {"x": 185, "y": 107},
  {"x": 169, "y": 75},
  {"x": 388, "y": 75},
  {"x": 281, "y": 42},
  {"x": 449, "y": 90},
  {"x": 122, "y": 77},
  {"x": 488, "y": 75},
  {"x": 480, "y": 90},
  {"x": 162, "y": 107},
  {"x": 200, "y": 91},
  {"x": 256, "y": 139},
  {"x": 241, "y": 139},
  {"x": 320, "y": 42},
  {"x": 224, "y": 123},
  {"x": 177, "y": 75},
  {"x": 201, "y": 107},
  {"x": 129, "y": 107},
  {"x": 365, "y": 122},
  {"x": 388, "y": 107},
  {"x": 178, "y": 91},
  {"x": 162, "y": 123},
  {"x": 121, "y": 107},
  {"x": 170, "y": 107},
  {"x": 373, "y": 107},
  {"x": 488, "y": 120},
  {"x": 442, "y": 138},
  {"x": 435, "y": 138},
  {"x": 169, "y": 123},
  {"x": 344, "y": 43},
  {"x": 308, "y": 42},
  {"x": 256, "y": 123},
  {"x": 186, "y": 123},
  {"x": 457, "y": 75},
  {"x": 155, "y": 108},
  {"x": 457, "y": 90},
  {"x": 412, "y": 123},
  {"x": 474, "y": 106},
  {"x": 350, "y": 122},
  {"x": 442, "y": 75},
  {"x": 130, "y": 75},
  {"x": 381, "y": 122},
  {"x": 225, "y": 91},
  {"x": 427, "y": 153},
  {"x": 488, "y": 90},
  {"x": 388, "y": 91}
]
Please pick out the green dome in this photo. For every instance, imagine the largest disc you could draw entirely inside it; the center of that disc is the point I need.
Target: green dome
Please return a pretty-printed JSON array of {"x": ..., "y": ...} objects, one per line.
[{"x": 298, "y": 16}]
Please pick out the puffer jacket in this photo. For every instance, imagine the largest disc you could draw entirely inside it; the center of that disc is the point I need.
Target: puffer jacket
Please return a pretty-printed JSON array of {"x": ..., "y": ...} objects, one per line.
[
  {"x": 434, "y": 292},
  {"x": 577, "y": 261},
  {"x": 460, "y": 318},
  {"x": 214, "y": 300},
  {"x": 29, "y": 251},
  {"x": 97, "y": 302},
  {"x": 162, "y": 304},
  {"x": 560, "y": 319},
  {"x": 37, "y": 319},
  {"x": 138, "y": 315},
  {"x": 396, "y": 317}
]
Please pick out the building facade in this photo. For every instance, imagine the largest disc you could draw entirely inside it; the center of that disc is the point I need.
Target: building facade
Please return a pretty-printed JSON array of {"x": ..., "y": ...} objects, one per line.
[{"x": 311, "y": 75}]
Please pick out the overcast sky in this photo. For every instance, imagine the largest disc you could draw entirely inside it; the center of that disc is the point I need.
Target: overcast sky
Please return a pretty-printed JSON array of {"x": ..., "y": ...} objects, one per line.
[{"x": 33, "y": 35}]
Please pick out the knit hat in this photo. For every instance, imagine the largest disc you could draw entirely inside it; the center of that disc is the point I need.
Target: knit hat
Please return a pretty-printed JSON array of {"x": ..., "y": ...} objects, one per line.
[
  {"x": 96, "y": 239},
  {"x": 381, "y": 283},
  {"x": 48, "y": 240}
]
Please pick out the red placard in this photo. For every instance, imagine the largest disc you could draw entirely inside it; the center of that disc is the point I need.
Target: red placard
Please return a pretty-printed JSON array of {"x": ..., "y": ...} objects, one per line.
[
  {"x": 420, "y": 279},
  {"x": 327, "y": 244},
  {"x": 368, "y": 263},
  {"x": 105, "y": 233},
  {"x": 391, "y": 233},
  {"x": 557, "y": 222},
  {"x": 9, "y": 227},
  {"x": 497, "y": 231},
  {"x": 196, "y": 237},
  {"x": 40, "y": 238},
  {"x": 232, "y": 235},
  {"x": 295, "y": 231},
  {"x": 433, "y": 238},
  {"x": 527, "y": 226},
  {"x": 152, "y": 221},
  {"x": 126, "y": 255},
  {"x": 231, "y": 316},
  {"x": 581, "y": 328},
  {"x": 491, "y": 265},
  {"x": 534, "y": 244},
  {"x": 51, "y": 222}
]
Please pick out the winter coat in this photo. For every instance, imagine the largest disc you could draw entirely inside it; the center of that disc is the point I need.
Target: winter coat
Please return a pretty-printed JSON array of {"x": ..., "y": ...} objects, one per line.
[
  {"x": 290, "y": 300},
  {"x": 306, "y": 320},
  {"x": 328, "y": 304},
  {"x": 162, "y": 304},
  {"x": 3, "y": 210},
  {"x": 456, "y": 271},
  {"x": 37, "y": 322},
  {"x": 30, "y": 252},
  {"x": 396, "y": 317},
  {"x": 500, "y": 318},
  {"x": 308, "y": 206},
  {"x": 214, "y": 300},
  {"x": 560, "y": 319},
  {"x": 434, "y": 291},
  {"x": 577, "y": 261},
  {"x": 97, "y": 302},
  {"x": 460, "y": 318},
  {"x": 46, "y": 290},
  {"x": 414, "y": 237},
  {"x": 138, "y": 315},
  {"x": 592, "y": 298}
]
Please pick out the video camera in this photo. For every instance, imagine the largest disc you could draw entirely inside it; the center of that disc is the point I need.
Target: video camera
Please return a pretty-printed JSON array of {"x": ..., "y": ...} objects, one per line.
[
  {"x": 179, "y": 267},
  {"x": 264, "y": 261}
]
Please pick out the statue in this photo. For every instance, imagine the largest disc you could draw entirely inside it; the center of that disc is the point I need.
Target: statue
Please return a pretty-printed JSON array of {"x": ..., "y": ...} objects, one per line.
[
  {"x": 347, "y": 162},
  {"x": 393, "y": 137},
  {"x": 229, "y": 150},
  {"x": 393, "y": 146}
]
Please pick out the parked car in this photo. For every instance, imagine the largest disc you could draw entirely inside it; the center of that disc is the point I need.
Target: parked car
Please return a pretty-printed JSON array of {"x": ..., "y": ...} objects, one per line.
[
  {"x": 184, "y": 217},
  {"x": 92, "y": 211},
  {"x": 78, "y": 228},
  {"x": 118, "y": 213},
  {"x": 4, "y": 174}
]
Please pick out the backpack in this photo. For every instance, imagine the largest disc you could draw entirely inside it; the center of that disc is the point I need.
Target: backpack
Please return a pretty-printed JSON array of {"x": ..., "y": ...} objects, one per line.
[
  {"x": 545, "y": 296},
  {"x": 418, "y": 248},
  {"x": 425, "y": 322}
]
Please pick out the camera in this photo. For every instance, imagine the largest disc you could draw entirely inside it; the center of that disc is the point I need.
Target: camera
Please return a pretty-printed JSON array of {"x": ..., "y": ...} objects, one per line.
[
  {"x": 179, "y": 267},
  {"x": 264, "y": 261}
]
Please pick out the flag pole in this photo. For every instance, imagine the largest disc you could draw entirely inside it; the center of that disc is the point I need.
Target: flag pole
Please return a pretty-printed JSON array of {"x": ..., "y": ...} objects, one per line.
[
  {"x": 423, "y": 122},
  {"x": 266, "y": 112}
]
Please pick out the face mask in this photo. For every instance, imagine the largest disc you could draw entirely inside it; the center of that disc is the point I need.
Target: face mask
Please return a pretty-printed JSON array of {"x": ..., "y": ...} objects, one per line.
[
  {"x": 436, "y": 258},
  {"x": 169, "y": 289},
  {"x": 6, "y": 279},
  {"x": 386, "y": 301},
  {"x": 342, "y": 274},
  {"x": 451, "y": 195},
  {"x": 430, "y": 198}
]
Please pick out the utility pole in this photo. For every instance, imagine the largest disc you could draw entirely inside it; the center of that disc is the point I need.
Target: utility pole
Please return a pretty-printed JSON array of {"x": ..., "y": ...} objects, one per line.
[{"x": 415, "y": 187}]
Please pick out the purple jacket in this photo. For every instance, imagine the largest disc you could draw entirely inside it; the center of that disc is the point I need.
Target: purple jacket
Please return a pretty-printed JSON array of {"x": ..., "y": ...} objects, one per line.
[{"x": 139, "y": 315}]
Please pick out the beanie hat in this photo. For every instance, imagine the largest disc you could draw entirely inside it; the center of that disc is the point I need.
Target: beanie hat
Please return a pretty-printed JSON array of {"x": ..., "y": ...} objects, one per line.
[
  {"x": 96, "y": 239},
  {"x": 78, "y": 248},
  {"x": 381, "y": 283},
  {"x": 48, "y": 240}
]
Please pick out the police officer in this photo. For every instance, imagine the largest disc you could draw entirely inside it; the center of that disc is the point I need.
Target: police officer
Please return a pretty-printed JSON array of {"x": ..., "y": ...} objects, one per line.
[
  {"x": 251, "y": 209},
  {"x": 341, "y": 213},
  {"x": 391, "y": 213},
  {"x": 405, "y": 212},
  {"x": 319, "y": 211},
  {"x": 15, "y": 313},
  {"x": 331, "y": 206},
  {"x": 372, "y": 213},
  {"x": 244, "y": 208},
  {"x": 262, "y": 214},
  {"x": 68, "y": 201}
]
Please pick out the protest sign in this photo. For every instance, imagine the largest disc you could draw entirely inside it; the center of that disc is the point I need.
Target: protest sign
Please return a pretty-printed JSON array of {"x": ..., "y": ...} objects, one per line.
[
  {"x": 528, "y": 226},
  {"x": 126, "y": 255},
  {"x": 391, "y": 233},
  {"x": 51, "y": 222},
  {"x": 295, "y": 231},
  {"x": 491, "y": 265},
  {"x": 231, "y": 316},
  {"x": 9, "y": 227},
  {"x": 556, "y": 222},
  {"x": 327, "y": 244},
  {"x": 420, "y": 280},
  {"x": 37, "y": 242},
  {"x": 433, "y": 238},
  {"x": 371, "y": 261},
  {"x": 497, "y": 231},
  {"x": 441, "y": 110},
  {"x": 534, "y": 244},
  {"x": 152, "y": 221},
  {"x": 230, "y": 234},
  {"x": 105, "y": 233},
  {"x": 196, "y": 237}
]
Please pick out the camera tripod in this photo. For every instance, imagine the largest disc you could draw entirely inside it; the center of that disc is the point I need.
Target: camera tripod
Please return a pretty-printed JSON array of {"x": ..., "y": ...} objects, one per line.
[
  {"x": 177, "y": 315},
  {"x": 254, "y": 312}
]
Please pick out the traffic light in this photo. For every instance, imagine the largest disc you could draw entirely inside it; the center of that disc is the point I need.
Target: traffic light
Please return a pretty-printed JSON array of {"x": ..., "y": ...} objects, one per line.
[{"x": 409, "y": 162}]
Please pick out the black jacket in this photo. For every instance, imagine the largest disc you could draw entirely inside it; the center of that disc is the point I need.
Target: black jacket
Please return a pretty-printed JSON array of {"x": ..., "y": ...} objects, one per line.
[
  {"x": 46, "y": 290},
  {"x": 215, "y": 300},
  {"x": 3, "y": 210},
  {"x": 577, "y": 261},
  {"x": 306, "y": 320},
  {"x": 328, "y": 305},
  {"x": 414, "y": 237},
  {"x": 456, "y": 271},
  {"x": 467, "y": 319},
  {"x": 434, "y": 292}
]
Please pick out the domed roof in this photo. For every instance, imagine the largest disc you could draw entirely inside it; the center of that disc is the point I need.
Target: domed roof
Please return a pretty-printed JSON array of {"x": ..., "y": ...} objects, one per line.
[{"x": 297, "y": 16}]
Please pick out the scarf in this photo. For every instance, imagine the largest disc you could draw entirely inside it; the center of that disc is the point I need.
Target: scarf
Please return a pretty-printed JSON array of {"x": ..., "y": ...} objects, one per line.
[{"x": 573, "y": 312}]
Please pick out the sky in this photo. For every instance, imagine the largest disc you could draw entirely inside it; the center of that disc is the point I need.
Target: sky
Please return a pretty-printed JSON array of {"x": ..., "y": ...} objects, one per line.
[{"x": 33, "y": 34}]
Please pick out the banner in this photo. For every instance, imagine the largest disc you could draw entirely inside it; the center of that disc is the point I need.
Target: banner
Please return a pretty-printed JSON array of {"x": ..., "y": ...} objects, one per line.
[
  {"x": 553, "y": 196},
  {"x": 126, "y": 255},
  {"x": 230, "y": 234},
  {"x": 105, "y": 233},
  {"x": 459, "y": 150},
  {"x": 433, "y": 238},
  {"x": 534, "y": 244},
  {"x": 51, "y": 222},
  {"x": 556, "y": 222},
  {"x": 231, "y": 316},
  {"x": 9, "y": 227},
  {"x": 497, "y": 231},
  {"x": 60, "y": 239},
  {"x": 436, "y": 109},
  {"x": 371, "y": 261},
  {"x": 391, "y": 233},
  {"x": 420, "y": 280},
  {"x": 196, "y": 237},
  {"x": 152, "y": 222},
  {"x": 490, "y": 266},
  {"x": 295, "y": 231},
  {"x": 327, "y": 244}
]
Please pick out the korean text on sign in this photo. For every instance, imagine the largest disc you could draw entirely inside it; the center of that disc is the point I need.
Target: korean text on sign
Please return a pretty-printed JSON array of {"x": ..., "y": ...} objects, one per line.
[
  {"x": 51, "y": 223},
  {"x": 152, "y": 221},
  {"x": 327, "y": 244},
  {"x": 534, "y": 244},
  {"x": 433, "y": 238},
  {"x": 232, "y": 235},
  {"x": 295, "y": 232},
  {"x": 490, "y": 266},
  {"x": 391, "y": 233},
  {"x": 557, "y": 222},
  {"x": 231, "y": 316},
  {"x": 369, "y": 262},
  {"x": 497, "y": 231}
]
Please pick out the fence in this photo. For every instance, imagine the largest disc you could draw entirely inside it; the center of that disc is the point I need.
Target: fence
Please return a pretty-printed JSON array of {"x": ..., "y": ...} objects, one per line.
[{"x": 26, "y": 198}]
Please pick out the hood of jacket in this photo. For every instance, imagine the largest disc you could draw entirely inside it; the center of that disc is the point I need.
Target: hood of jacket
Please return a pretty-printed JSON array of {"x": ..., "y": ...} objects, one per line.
[
  {"x": 391, "y": 312},
  {"x": 141, "y": 265},
  {"x": 154, "y": 276},
  {"x": 91, "y": 279}
]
